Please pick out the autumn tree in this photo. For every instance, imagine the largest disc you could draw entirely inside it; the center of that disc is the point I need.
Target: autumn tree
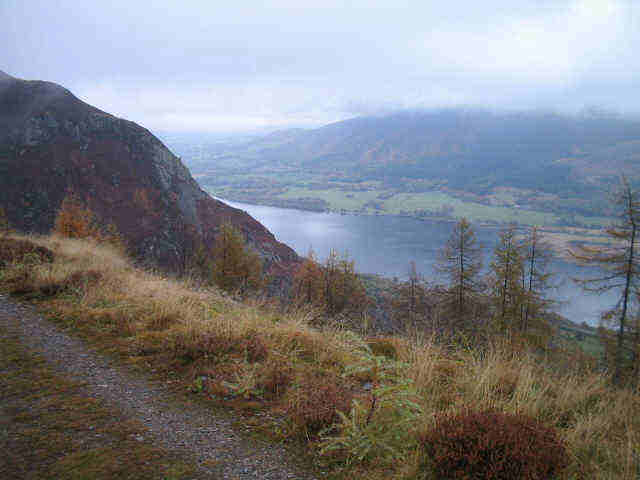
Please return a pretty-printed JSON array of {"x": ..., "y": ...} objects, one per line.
[
  {"x": 620, "y": 270},
  {"x": 505, "y": 279},
  {"x": 330, "y": 277},
  {"x": 236, "y": 268},
  {"x": 344, "y": 292},
  {"x": 74, "y": 219},
  {"x": 350, "y": 291},
  {"x": 308, "y": 284},
  {"x": 460, "y": 262}
]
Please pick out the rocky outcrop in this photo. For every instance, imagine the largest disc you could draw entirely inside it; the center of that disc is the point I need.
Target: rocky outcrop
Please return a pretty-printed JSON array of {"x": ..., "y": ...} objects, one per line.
[{"x": 51, "y": 143}]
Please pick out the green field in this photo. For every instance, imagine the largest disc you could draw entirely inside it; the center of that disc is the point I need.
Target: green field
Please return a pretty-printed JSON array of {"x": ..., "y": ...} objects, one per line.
[{"x": 294, "y": 189}]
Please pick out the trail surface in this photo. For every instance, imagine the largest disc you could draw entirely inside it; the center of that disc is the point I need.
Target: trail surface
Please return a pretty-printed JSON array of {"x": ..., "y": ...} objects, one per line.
[{"x": 207, "y": 438}]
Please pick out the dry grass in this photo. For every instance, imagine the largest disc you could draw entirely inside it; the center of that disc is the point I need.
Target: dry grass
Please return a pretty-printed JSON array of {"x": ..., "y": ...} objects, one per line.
[{"x": 254, "y": 356}]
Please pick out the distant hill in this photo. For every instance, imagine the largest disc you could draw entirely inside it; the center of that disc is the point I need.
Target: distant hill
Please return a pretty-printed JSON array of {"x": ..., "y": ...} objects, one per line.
[
  {"x": 543, "y": 162},
  {"x": 467, "y": 149},
  {"x": 51, "y": 143}
]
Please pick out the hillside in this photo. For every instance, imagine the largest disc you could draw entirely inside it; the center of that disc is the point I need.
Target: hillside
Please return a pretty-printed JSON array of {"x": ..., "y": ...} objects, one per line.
[
  {"x": 433, "y": 163},
  {"x": 289, "y": 379},
  {"x": 52, "y": 143}
]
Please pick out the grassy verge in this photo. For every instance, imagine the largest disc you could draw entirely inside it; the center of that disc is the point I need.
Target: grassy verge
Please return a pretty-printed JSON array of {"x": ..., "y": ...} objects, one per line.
[
  {"x": 361, "y": 405},
  {"x": 50, "y": 428}
]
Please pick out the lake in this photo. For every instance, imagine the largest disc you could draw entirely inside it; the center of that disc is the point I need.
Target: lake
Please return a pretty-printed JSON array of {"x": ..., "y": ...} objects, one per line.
[{"x": 386, "y": 244}]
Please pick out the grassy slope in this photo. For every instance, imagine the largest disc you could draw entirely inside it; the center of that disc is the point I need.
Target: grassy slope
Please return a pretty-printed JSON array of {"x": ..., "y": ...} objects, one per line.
[{"x": 272, "y": 366}]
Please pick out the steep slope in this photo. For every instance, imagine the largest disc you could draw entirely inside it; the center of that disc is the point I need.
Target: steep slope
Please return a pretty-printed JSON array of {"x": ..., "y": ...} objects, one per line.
[{"x": 51, "y": 143}]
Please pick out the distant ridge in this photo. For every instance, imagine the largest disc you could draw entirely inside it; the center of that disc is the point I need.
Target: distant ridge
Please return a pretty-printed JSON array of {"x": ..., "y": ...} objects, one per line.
[
  {"x": 51, "y": 142},
  {"x": 466, "y": 149},
  {"x": 5, "y": 76}
]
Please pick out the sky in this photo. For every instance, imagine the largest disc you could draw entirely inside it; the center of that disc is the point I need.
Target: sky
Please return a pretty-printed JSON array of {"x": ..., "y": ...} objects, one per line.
[{"x": 248, "y": 65}]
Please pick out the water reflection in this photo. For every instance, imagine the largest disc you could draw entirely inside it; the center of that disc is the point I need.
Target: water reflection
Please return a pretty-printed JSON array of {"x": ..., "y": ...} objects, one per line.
[{"x": 385, "y": 245}]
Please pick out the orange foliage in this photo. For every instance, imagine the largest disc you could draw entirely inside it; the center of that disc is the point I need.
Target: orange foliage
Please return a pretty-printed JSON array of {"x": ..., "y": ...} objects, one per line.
[{"x": 74, "y": 219}]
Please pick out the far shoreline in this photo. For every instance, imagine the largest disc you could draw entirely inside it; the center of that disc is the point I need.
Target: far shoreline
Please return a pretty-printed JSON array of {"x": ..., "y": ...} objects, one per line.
[{"x": 561, "y": 238}]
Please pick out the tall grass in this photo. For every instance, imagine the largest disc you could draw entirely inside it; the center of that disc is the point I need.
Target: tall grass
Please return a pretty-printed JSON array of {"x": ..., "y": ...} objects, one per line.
[{"x": 255, "y": 357}]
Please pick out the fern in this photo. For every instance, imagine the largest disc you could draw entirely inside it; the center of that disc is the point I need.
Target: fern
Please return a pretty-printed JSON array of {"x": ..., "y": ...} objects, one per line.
[{"x": 380, "y": 427}]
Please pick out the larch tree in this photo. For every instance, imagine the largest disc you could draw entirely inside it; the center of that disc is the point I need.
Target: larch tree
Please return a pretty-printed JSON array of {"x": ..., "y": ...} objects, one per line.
[
  {"x": 331, "y": 273},
  {"x": 236, "y": 268},
  {"x": 409, "y": 302},
  {"x": 349, "y": 292},
  {"x": 308, "y": 282},
  {"x": 344, "y": 292},
  {"x": 536, "y": 281},
  {"x": 620, "y": 267},
  {"x": 460, "y": 261},
  {"x": 506, "y": 274},
  {"x": 74, "y": 219}
]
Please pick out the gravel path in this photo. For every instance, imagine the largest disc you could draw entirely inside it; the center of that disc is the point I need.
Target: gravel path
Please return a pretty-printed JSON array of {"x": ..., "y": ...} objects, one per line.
[{"x": 210, "y": 440}]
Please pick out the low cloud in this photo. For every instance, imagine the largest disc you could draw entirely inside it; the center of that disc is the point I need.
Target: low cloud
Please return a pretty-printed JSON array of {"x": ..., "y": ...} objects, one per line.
[{"x": 226, "y": 66}]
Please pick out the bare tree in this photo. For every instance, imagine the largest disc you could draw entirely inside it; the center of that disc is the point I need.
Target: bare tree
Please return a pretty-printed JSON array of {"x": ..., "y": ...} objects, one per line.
[
  {"x": 410, "y": 306},
  {"x": 620, "y": 266},
  {"x": 536, "y": 279}
]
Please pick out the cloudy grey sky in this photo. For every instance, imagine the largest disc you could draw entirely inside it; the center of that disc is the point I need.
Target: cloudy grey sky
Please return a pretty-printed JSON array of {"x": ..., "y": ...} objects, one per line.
[{"x": 234, "y": 65}]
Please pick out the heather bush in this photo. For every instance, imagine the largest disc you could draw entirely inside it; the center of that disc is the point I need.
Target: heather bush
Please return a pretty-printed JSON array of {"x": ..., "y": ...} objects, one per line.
[
  {"x": 492, "y": 445},
  {"x": 275, "y": 378},
  {"x": 314, "y": 403},
  {"x": 190, "y": 346}
]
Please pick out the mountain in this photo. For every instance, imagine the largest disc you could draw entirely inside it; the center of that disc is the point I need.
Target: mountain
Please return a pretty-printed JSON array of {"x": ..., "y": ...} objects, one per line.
[
  {"x": 555, "y": 166},
  {"x": 52, "y": 143},
  {"x": 468, "y": 149}
]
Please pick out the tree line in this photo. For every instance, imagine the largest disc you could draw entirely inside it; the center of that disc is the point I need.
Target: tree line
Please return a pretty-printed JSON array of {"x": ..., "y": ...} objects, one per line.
[{"x": 511, "y": 299}]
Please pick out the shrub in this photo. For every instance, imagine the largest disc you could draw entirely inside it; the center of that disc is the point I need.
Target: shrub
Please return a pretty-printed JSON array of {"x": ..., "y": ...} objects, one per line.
[
  {"x": 383, "y": 346},
  {"x": 254, "y": 348},
  {"x": 22, "y": 251},
  {"x": 378, "y": 428},
  {"x": 275, "y": 378},
  {"x": 17, "y": 258},
  {"x": 193, "y": 346},
  {"x": 78, "y": 282},
  {"x": 315, "y": 402},
  {"x": 492, "y": 445},
  {"x": 381, "y": 426}
]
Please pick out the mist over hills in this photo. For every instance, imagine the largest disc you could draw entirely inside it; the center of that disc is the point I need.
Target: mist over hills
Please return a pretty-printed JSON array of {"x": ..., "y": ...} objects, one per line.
[{"x": 467, "y": 149}]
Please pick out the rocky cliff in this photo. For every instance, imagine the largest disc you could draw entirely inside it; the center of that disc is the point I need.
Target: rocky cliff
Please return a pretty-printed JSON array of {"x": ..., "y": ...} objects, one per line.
[{"x": 51, "y": 143}]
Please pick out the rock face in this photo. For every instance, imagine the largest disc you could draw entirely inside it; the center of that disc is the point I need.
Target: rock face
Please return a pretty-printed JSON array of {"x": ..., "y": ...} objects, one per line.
[{"x": 51, "y": 143}]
